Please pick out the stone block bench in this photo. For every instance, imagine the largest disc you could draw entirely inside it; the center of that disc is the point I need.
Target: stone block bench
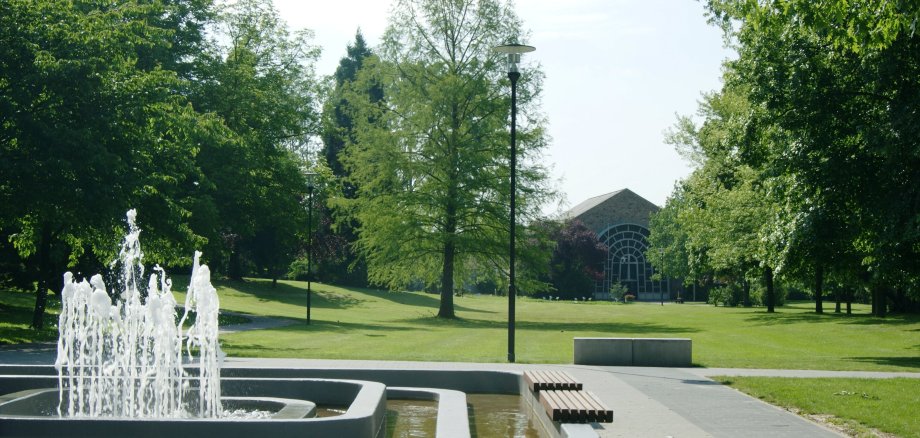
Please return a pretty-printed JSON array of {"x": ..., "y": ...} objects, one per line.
[{"x": 645, "y": 352}]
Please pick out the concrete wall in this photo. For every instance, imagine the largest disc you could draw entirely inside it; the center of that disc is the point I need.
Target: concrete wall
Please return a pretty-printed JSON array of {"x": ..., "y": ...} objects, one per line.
[{"x": 648, "y": 352}]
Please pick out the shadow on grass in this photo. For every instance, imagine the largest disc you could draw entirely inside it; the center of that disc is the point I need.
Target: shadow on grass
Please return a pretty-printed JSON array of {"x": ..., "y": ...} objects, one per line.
[
  {"x": 777, "y": 318},
  {"x": 550, "y": 326},
  {"x": 325, "y": 326},
  {"x": 898, "y": 361},
  {"x": 323, "y": 298},
  {"x": 418, "y": 299},
  {"x": 284, "y": 293}
]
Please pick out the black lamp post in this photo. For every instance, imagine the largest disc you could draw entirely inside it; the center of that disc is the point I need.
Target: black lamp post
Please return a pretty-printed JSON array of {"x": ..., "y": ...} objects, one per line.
[
  {"x": 660, "y": 288},
  {"x": 514, "y": 52},
  {"x": 310, "y": 187}
]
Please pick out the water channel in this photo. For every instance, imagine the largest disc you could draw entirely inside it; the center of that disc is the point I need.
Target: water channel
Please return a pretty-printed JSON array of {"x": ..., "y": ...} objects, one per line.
[{"x": 490, "y": 415}]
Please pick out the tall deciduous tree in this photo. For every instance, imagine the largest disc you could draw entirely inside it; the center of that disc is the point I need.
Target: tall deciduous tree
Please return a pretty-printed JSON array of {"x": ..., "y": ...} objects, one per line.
[
  {"x": 259, "y": 80},
  {"x": 430, "y": 161},
  {"x": 722, "y": 215}
]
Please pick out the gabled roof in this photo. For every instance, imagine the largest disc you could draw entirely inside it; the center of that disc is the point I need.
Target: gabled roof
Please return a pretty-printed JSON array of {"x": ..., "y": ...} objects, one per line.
[
  {"x": 621, "y": 206},
  {"x": 588, "y": 204}
]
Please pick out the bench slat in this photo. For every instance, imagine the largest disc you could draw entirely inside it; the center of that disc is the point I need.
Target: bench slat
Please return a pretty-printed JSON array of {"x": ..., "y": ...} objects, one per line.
[
  {"x": 570, "y": 406},
  {"x": 551, "y": 405},
  {"x": 603, "y": 412}
]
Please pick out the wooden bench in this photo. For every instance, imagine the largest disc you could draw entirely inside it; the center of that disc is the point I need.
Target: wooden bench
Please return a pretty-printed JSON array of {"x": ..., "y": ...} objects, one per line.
[
  {"x": 550, "y": 381},
  {"x": 567, "y": 406},
  {"x": 564, "y": 400}
]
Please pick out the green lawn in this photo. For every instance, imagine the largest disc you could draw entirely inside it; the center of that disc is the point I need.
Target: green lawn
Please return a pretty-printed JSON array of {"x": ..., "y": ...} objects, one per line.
[
  {"x": 888, "y": 405},
  {"x": 372, "y": 324},
  {"x": 16, "y": 316}
]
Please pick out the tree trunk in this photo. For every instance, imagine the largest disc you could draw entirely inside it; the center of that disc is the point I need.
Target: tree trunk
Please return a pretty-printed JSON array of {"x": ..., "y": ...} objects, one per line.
[
  {"x": 849, "y": 303},
  {"x": 746, "y": 294},
  {"x": 235, "y": 270},
  {"x": 878, "y": 300},
  {"x": 837, "y": 299},
  {"x": 446, "y": 309},
  {"x": 819, "y": 288},
  {"x": 771, "y": 295},
  {"x": 41, "y": 289}
]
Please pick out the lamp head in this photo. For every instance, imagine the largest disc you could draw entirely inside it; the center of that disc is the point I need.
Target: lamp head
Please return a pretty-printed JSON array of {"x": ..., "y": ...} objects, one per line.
[
  {"x": 514, "y": 52},
  {"x": 311, "y": 179}
]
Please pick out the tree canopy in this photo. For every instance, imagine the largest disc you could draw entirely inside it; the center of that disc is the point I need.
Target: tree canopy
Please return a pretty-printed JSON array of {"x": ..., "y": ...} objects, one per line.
[
  {"x": 106, "y": 106},
  {"x": 430, "y": 159},
  {"x": 827, "y": 135}
]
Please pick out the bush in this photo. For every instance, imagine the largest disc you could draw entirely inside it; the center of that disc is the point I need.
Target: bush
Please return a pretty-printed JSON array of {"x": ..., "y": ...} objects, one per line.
[
  {"x": 618, "y": 291},
  {"x": 721, "y": 294}
]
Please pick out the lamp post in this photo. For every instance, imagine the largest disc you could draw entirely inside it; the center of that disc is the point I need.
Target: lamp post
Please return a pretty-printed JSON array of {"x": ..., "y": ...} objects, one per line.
[
  {"x": 310, "y": 187},
  {"x": 514, "y": 52},
  {"x": 661, "y": 289}
]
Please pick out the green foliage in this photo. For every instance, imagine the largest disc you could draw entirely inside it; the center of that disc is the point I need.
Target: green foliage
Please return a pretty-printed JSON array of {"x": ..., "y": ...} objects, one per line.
[
  {"x": 577, "y": 261},
  {"x": 258, "y": 79},
  {"x": 106, "y": 106},
  {"x": 807, "y": 158},
  {"x": 429, "y": 161}
]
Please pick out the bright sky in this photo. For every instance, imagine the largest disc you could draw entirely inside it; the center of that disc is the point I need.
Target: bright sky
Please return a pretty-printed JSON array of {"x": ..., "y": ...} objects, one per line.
[{"x": 617, "y": 72}]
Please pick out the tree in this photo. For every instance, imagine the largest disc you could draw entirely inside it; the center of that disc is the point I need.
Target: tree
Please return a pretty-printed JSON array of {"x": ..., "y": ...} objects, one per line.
[
  {"x": 258, "y": 79},
  {"x": 429, "y": 161},
  {"x": 340, "y": 261},
  {"x": 723, "y": 213},
  {"x": 88, "y": 130},
  {"x": 841, "y": 78},
  {"x": 337, "y": 124},
  {"x": 577, "y": 262}
]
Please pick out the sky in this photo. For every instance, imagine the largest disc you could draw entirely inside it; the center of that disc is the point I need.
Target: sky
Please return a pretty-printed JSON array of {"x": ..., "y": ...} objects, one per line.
[{"x": 618, "y": 72}]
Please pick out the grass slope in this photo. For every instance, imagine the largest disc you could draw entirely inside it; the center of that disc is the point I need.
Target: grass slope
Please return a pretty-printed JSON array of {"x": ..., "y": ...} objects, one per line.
[
  {"x": 372, "y": 324},
  {"x": 16, "y": 317},
  {"x": 855, "y": 405}
]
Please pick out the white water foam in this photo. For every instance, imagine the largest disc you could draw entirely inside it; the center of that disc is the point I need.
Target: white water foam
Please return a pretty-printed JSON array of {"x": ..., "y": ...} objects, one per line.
[{"x": 125, "y": 359}]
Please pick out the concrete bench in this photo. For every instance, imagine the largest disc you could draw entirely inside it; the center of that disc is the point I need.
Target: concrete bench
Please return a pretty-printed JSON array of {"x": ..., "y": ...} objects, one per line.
[
  {"x": 646, "y": 352},
  {"x": 575, "y": 407},
  {"x": 550, "y": 380}
]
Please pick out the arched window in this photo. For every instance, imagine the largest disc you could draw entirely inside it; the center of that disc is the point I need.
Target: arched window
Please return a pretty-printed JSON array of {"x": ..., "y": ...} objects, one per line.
[{"x": 626, "y": 263}]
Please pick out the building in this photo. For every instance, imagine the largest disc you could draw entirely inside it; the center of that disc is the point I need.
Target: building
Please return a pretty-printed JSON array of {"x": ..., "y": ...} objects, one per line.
[{"x": 621, "y": 221}]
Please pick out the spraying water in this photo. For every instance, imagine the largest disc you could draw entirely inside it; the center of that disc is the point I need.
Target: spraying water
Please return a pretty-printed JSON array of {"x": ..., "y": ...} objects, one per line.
[{"x": 125, "y": 359}]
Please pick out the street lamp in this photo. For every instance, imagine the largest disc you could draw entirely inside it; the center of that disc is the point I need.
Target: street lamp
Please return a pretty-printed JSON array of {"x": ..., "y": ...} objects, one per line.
[
  {"x": 311, "y": 176},
  {"x": 514, "y": 52},
  {"x": 661, "y": 289}
]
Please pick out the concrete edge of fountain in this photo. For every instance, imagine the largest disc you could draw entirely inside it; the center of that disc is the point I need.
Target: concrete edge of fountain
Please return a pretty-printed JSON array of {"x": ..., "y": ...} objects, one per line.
[
  {"x": 469, "y": 381},
  {"x": 365, "y": 415}
]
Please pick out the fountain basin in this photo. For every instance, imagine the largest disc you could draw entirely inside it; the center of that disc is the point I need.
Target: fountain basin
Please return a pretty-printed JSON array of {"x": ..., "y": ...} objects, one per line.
[{"x": 24, "y": 411}]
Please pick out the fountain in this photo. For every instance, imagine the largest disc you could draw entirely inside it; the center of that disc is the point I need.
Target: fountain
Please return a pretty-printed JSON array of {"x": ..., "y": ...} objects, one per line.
[
  {"x": 125, "y": 359},
  {"x": 129, "y": 366}
]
